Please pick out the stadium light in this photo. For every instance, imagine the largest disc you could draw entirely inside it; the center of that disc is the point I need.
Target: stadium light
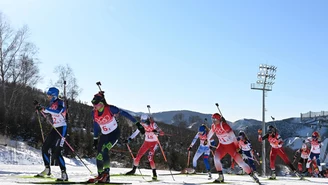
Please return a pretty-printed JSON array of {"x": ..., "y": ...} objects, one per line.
[{"x": 266, "y": 77}]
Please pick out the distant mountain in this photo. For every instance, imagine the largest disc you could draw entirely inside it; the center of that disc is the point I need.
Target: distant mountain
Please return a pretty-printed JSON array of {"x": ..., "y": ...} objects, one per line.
[{"x": 293, "y": 130}]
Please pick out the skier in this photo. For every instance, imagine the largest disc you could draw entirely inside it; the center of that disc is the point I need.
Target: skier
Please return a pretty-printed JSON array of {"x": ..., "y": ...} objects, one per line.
[
  {"x": 276, "y": 143},
  {"x": 204, "y": 148},
  {"x": 227, "y": 145},
  {"x": 56, "y": 137},
  {"x": 150, "y": 143},
  {"x": 104, "y": 120},
  {"x": 315, "y": 141},
  {"x": 305, "y": 152},
  {"x": 246, "y": 149}
]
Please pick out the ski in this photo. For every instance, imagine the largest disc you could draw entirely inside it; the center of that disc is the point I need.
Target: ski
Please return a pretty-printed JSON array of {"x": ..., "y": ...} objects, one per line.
[
  {"x": 74, "y": 182},
  {"x": 123, "y": 174},
  {"x": 37, "y": 177}
]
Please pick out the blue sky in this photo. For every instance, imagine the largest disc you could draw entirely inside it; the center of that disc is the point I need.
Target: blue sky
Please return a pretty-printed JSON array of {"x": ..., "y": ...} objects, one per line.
[{"x": 184, "y": 55}]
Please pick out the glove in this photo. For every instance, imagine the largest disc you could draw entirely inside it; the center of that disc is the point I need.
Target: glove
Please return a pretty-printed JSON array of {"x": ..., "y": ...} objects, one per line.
[
  {"x": 37, "y": 105},
  {"x": 205, "y": 142},
  {"x": 222, "y": 119},
  {"x": 35, "y": 102},
  {"x": 127, "y": 140},
  {"x": 238, "y": 138},
  {"x": 140, "y": 127},
  {"x": 189, "y": 148},
  {"x": 95, "y": 143}
]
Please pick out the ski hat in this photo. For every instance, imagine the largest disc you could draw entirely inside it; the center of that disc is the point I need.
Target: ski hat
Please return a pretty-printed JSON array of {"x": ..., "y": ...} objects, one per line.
[
  {"x": 216, "y": 116},
  {"x": 144, "y": 118},
  {"x": 271, "y": 129},
  {"x": 202, "y": 129},
  {"x": 315, "y": 135},
  {"x": 99, "y": 97},
  {"x": 242, "y": 134},
  {"x": 54, "y": 92}
]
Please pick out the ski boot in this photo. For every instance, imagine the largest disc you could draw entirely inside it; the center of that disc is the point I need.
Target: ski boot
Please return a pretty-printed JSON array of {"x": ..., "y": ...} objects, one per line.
[
  {"x": 273, "y": 175},
  {"x": 298, "y": 175},
  {"x": 132, "y": 172},
  {"x": 209, "y": 175},
  {"x": 154, "y": 175},
  {"x": 64, "y": 176},
  {"x": 105, "y": 178},
  {"x": 44, "y": 173},
  {"x": 254, "y": 177},
  {"x": 95, "y": 179},
  {"x": 220, "y": 179}
]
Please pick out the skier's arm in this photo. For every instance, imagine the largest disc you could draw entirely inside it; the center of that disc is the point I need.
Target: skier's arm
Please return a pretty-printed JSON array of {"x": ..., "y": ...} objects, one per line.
[
  {"x": 134, "y": 134},
  {"x": 194, "y": 140},
  {"x": 96, "y": 127},
  {"x": 113, "y": 109}
]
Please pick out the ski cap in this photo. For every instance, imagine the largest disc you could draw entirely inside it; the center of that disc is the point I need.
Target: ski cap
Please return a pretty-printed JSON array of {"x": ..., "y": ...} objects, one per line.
[
  {"x": 54, "y": 92},
  {"x": 202, "y": 129},
  {"x": 144, "y": 118}
]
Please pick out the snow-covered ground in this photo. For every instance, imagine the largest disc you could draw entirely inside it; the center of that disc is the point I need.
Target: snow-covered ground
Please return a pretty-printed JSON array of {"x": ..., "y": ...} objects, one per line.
[
  {"x": 19, "y": 162},
  {"x": 20, "y": 174}
]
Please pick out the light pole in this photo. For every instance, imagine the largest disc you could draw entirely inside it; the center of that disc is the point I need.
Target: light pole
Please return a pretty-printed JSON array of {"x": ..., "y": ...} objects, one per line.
[{"x": 266, "y": 77}]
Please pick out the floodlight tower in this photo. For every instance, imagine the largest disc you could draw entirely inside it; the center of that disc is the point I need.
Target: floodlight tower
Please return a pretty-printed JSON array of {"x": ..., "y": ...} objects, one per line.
[{"x": 266, "y": 77}]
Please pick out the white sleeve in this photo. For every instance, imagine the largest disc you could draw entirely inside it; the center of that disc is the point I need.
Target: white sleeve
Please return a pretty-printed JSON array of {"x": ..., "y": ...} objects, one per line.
[
  {"x": 134, "y": 134},
  {"x": 194, "y": 140}
]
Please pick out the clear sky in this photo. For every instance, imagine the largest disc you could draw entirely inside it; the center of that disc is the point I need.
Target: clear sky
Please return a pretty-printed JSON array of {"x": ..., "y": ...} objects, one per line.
[{"x": 185, "y": 54}]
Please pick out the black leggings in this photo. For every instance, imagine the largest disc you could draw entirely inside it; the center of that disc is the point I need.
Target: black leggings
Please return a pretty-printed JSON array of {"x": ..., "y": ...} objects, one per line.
[{"x": 54, "y": 141}]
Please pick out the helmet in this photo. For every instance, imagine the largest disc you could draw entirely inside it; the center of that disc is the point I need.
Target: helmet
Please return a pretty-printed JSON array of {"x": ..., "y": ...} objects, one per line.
[
  {"x": 53, "y": 91},
  {"x": 271, "y": 129},
  {"x": 144, "y": 118},
  {"x": 202, "y": 129},
  {"x": 216, "y": 116},
  {"x": 315, "y": 135}
]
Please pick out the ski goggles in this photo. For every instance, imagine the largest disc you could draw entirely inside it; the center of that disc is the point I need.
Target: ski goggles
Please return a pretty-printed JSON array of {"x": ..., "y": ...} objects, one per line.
[{"x": 214, "y": 120}]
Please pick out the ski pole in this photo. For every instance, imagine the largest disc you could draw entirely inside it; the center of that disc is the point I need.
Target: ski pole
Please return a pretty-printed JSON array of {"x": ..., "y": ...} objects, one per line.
[
  {"x": 127, "y": 145},
  {"x": 37, "y": 112},
  {"x": 188, "y": 159},
  {"x": 160, "y": 146},
  {"x": 69, "y": 146}
]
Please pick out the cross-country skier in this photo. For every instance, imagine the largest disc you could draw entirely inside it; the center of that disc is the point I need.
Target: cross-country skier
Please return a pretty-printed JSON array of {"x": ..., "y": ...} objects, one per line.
[
  {"x": 304, "y": 151},
  {"x": 246, "y": 149},
  {"x": 55, "y": 141},
  {"x": 316, "y": 144},
  {"x": 150, "y": 144},
  {"x": 104, "y": 121},
  {"x": 227, "y": 145},
  {"x": 204, "y": 148},
  {"x": 276, "y": 143}
]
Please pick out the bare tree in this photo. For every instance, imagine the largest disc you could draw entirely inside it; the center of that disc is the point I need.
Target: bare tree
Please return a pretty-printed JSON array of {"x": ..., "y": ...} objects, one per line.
[
  {"x": 16, "y": 55},
  {"x": 66, "y": 74}
]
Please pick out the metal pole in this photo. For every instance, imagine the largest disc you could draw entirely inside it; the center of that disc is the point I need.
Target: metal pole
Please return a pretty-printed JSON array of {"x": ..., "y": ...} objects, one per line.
[{"x": 263, "y": 132}]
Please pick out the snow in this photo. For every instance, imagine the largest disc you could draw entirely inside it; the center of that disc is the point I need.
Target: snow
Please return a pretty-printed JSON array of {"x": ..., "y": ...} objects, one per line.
[{"x": 19, "y": 163}]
